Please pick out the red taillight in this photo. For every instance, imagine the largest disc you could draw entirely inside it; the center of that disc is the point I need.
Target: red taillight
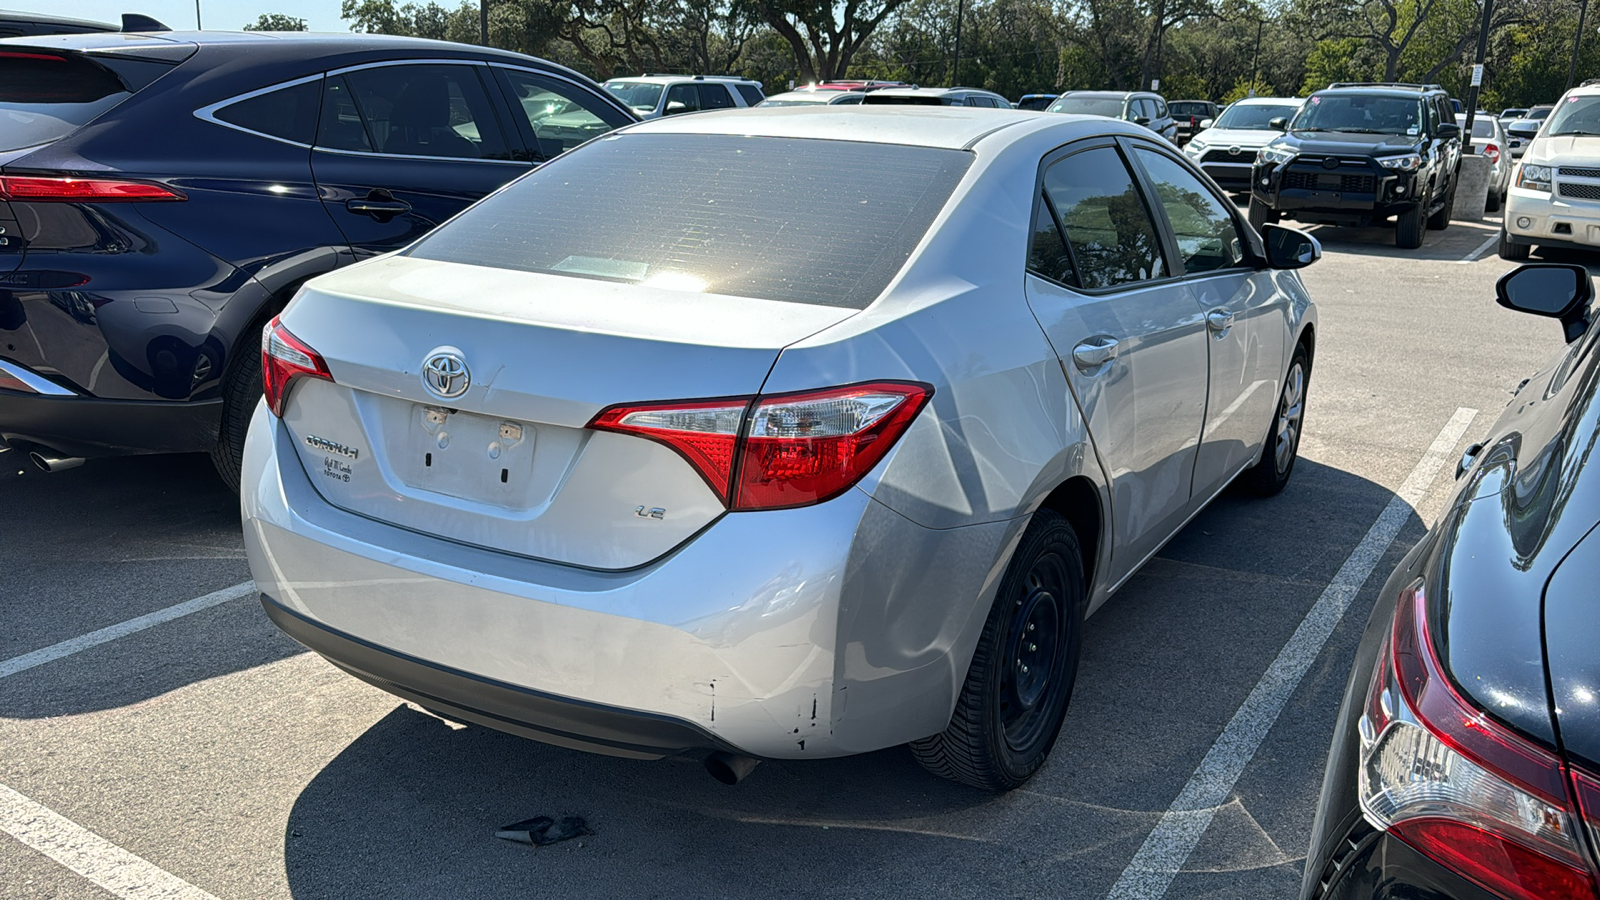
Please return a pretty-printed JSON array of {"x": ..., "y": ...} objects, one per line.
[
  {"x": 1492, "y": 152},
  {"x": 1461, "y": 788},
  {"x": 40, "y": 189},
  {"x": 779, "y": 451},
  {"x": 284, "y": 358}
]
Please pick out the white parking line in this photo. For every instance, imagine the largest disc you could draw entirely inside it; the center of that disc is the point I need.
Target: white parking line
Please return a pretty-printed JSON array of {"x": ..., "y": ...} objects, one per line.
[
  {"x": 1164, "y": 852},
  {"x": 88, "y": 854},
  {"x": 122, "y": 629},
  {"x": 1487, "y": 243}
]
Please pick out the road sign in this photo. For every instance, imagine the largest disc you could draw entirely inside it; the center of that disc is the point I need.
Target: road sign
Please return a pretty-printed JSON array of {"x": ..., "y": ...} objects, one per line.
[{"x": 1477, "y": 75}]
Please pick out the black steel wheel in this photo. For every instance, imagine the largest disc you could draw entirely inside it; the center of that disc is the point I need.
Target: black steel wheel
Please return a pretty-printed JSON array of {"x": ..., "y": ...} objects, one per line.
[{"x": 1020, "y": 681}]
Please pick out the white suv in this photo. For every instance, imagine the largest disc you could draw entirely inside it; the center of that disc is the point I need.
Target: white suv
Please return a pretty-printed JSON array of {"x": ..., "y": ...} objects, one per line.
[
  {"x": 1554, "y": 200},
  {"x": 666, "y": 95}
]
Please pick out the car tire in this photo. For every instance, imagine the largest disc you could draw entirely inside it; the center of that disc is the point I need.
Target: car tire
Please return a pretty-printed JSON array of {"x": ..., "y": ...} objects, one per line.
[
  {"x": 1409, "y": 228},
  {"x": 1271, "y": 473},
  {"x": 1492, "y": 202},
  {"x": 1009, "y": 712},
  {"x": 1512, "y": 251},
  {"x": 241, "y": 389},
  {"x": 1440, "y": 220},
  {"x": 1261, "y": 214}
]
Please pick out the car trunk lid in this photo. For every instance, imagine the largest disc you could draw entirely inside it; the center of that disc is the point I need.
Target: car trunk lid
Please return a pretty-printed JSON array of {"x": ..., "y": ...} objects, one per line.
[{"x": 509, "y": 464}]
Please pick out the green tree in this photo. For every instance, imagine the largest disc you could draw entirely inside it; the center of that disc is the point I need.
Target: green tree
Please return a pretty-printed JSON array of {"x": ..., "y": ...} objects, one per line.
[{"x": 277, "y": 22}]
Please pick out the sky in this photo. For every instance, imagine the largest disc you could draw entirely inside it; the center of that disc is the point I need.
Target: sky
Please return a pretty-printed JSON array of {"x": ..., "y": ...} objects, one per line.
[{"x": 230, "y": 15}]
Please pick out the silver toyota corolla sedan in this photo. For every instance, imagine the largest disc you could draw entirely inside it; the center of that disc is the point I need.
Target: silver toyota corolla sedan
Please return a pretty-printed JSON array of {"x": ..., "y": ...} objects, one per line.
[{"x": 787, "y": 433}]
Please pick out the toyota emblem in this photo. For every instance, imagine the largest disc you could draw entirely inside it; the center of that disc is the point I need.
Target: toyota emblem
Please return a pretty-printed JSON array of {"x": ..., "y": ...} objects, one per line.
[
  {"x": 1235, "y": 150},
  {"x": 445, "y": 373}
]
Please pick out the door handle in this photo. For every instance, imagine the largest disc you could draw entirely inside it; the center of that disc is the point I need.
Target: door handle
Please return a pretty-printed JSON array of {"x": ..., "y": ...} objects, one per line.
[
  {"x": 1219, "y": 320},
  {"x": 379, "y": 204},
  {"x": 1094, "y": 352}
]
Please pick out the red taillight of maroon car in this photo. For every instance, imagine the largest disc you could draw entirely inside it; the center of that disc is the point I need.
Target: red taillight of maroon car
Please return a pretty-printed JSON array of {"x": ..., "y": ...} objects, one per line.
[
  {"x": 39, "y": 189},
  {"x": 285, "y": 358},
  {"x": 778, "y": 451},
  {"x": 1461, "y": 788}
]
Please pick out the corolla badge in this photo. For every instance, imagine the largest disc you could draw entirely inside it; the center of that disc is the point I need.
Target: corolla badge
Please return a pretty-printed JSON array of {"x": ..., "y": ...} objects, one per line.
[{"x": 445, "y": 373}]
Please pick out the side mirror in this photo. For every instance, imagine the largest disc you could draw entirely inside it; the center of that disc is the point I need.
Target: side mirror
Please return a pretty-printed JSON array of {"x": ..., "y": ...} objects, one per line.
[
  {"x": 1281, "y": 123},
  {"x": 1448, "y": 130},
  {"x": 674, "y": 107},
  {"x": 1290, "y": 248},
  {"x": 1141, "y": 120},
  {"x": 1549, "y": 289},
  {"x": 1206, "y": 123}
]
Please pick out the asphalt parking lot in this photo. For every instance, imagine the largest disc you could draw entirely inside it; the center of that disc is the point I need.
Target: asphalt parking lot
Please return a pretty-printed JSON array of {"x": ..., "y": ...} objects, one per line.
[{"x": 209, "y": 755}]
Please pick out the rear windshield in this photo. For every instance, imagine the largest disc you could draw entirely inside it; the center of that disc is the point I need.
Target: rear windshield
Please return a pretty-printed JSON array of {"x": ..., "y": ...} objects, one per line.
[
  {"x": 1089, "y": 106},
  {"x": 880, "y": 98},
  {"x": 1482, "y": 126},
  {"x": 1189, "y": 109},
  {"x": 802, "y": 221},
  {"x": 46, "y": 96}
]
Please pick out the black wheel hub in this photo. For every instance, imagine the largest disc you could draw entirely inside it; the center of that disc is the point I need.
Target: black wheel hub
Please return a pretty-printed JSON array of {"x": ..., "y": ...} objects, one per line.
[{"x": 1031, "y": 680}]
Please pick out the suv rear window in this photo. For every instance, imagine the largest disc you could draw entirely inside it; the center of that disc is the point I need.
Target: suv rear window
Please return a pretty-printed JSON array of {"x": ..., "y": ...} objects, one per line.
[
  {"x": 46, "y": 96},
  {"x": 795, "y": 220}
]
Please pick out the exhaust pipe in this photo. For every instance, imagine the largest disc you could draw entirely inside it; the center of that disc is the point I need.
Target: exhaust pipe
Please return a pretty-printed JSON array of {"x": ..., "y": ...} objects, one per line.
[
  {"x": 50, "y": 462},
  {"x": 730, "y": 768}
]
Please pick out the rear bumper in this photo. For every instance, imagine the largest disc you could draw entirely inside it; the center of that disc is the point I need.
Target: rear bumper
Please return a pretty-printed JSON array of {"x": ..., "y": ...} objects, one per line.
[
  {"x": 1379, "y": 866},
  {"x": 822, "y": 631},
  {"x": 75, "y": 425}
]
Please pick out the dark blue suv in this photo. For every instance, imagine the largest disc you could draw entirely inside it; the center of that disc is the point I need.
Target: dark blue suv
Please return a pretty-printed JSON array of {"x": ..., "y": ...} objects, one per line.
[{"x": 162, "y": 196}]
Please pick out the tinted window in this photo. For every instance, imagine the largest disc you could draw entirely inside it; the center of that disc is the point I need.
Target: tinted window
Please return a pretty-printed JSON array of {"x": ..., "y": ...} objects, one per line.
[
  {"x": 44, "y": 97},
  {"x": 751, "y": 94},
  {"x": 1105, "y": 220},
  {"x": 682, "y": 98},
  {"x": 1089, "y": 106},
  {"x": 427, "y": 110},
  {"x": 1579, "y": 115},
  {"x": 289, "y": 113},
  {"x": 715, "y": 96},
  {"x": 1207, "y": 237},
  {"x": 559, "y": 115},
  {"x": 1047, "y": 252},
  {"x": 1482, "y": 126},
  {"x": 340, "y": 127},
  {"x": 804, "y": 221}
]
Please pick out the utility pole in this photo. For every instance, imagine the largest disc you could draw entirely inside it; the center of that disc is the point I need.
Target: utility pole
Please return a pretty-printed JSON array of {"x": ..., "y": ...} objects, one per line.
[
  {"x": 198, "y": 28},
  {"x": 1477, "y": 75},
  {"x": 483, "y": 22},
  {"x": 1255, "y": 60},
  {"x": 1577, "y": 43},
  {"x": 955, "y": 69}
]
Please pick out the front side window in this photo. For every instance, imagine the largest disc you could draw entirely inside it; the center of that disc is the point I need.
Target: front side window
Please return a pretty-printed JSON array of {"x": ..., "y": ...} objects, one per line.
[
  {"x": 423, "y": 110},
  {"x": 1113, "y": 240},
  {"x": 1208, "y": 239},
  {"x": 787, "y": 219},
  {"x": 682, "y": 98},
  {"x": 560, "y": 115}
]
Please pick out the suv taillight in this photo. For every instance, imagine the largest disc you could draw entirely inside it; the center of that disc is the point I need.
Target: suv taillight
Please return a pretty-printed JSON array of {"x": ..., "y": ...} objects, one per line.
[
  {"x": 41, "y": 189},
  {"x": 284, "y": 358},
  {"x": 1461, "y": 788},
  {"x": 781, "y": 450}
]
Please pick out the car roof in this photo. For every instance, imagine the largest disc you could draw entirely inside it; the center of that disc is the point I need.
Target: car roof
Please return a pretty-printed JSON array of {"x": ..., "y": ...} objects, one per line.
[
  {"x": 1102, "y": 95},
  {"x": 1267, "y": 101},
  {"x": 673, "y": 79},
  {"x": 945, "y": 127},
  {"x": 915, "y": 91}
]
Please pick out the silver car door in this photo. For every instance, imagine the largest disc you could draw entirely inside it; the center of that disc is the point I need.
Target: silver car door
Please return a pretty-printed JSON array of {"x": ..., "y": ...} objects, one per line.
[
  {"x": 1244, "y": 315},
  {"x": 1130, "y": 339}
]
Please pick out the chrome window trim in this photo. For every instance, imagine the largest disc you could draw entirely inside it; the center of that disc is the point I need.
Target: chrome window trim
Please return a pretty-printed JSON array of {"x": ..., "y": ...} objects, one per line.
[
  {"x": 209, "y": 113},
  {"x": 36, "y": 383},
  {"x": 419, "y": 61}
]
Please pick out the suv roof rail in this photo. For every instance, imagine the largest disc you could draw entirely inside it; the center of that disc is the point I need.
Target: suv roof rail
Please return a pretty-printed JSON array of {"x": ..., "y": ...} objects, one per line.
[
  {"x": 1590, "y": 82},
  {"x": 1389, "y": 84}
]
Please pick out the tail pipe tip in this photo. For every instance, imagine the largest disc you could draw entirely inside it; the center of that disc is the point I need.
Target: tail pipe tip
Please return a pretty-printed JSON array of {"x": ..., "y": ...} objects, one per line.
[
  {"x": 730, "y": 768},
  {"x": 50, "y": 462}
]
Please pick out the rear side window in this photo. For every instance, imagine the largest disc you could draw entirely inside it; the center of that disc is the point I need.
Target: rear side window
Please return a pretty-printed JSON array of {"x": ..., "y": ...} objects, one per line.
[
  {"x": 415, "y": 110},
  {"x": 751, "y": 94},
  {"x": 46, "y": 96},
  {"x": 802, "y": 221},
  {"x": 1113, "y": 240},
  {"x": 715, "y": 96},
  {"x": 289, "y": 113}
]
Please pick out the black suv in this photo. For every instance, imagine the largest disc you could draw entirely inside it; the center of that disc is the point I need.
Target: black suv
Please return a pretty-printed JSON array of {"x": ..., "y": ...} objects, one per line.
[
  {"x": 1357, "y": 154},
  {"x": 163, "y": 195}
]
